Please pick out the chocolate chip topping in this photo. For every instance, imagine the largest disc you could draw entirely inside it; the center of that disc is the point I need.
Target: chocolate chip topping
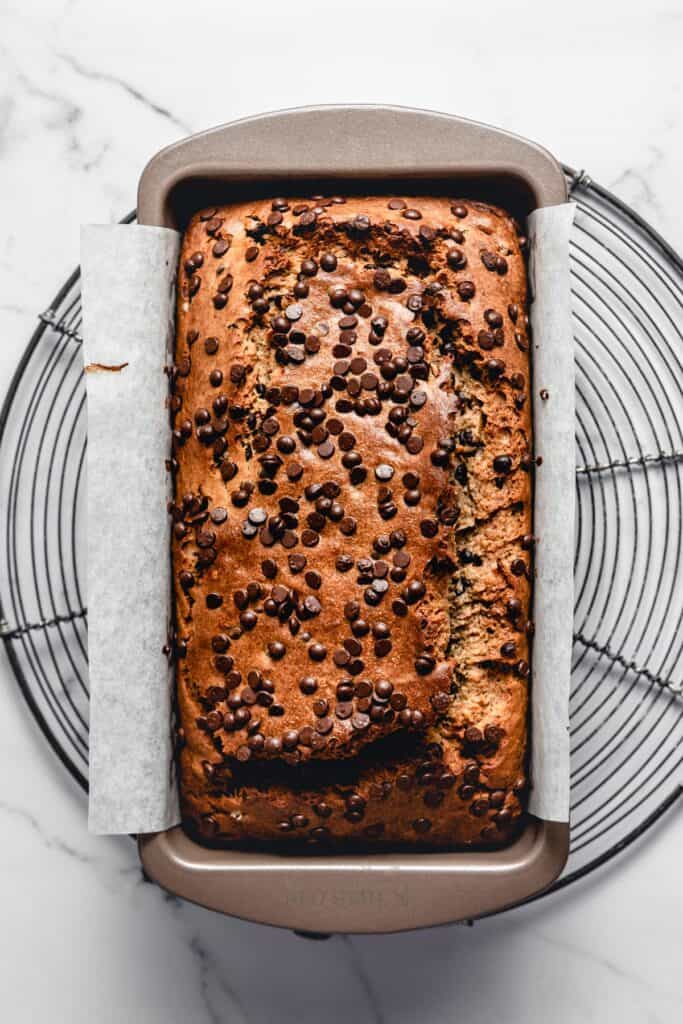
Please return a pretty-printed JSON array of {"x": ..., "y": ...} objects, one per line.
[{"x": 344, "y": 453}]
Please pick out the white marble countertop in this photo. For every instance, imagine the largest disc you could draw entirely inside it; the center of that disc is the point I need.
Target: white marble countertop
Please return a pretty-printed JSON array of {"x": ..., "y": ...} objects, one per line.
[{"x": 90, "y": 92}]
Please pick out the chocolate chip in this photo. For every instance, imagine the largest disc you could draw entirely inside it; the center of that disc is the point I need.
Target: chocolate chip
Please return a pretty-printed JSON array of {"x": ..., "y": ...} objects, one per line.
[
  {"x": 309, "y": 268},
  {"x": 326, "y": 449},
  {"x": 353, "y": 647},
  {"x": 220, "y": 248},
  {"x": 346, "y": 441},
  {"x": 313, "y": 579},
  {"x": 348, "y": 526},
  {"x": 402, "y": 559},
  {"x": 493, "y": 734},
  {"x": 384, "y": 472},
  {"x": 308, "y": 685},
  {"x": 328, "y": 262},
  {"x": 312, "y": 605},
  {"x": 194, "y": 262},
  {"x": 307, "y": 219},
  {"x": 479, "y": 807},
  {"x": 294, "y": 312},
  {"x": 297, "y": 563},
  {"x": 495, "y": 368},
  {"x": 317, "y": 652},
  {"x": 343, "y": 709},
  {"x": 273, "y": 745},
  {"x": 387, "y": 508},
  {"x": 473, "y": 735},
  {"x": 276, "y": 650},
  {"x": 502, "y": 464},
  {"x": 290, "y": 739},
  {"x": 186, "y": 580},
  {"x": 456, "y": 258},
  {"x": 414, "y": 591},
  {"x": 248, "y": 619},
  {"x": 251, "y": 252},
  {"x": 429, "y": 528}
]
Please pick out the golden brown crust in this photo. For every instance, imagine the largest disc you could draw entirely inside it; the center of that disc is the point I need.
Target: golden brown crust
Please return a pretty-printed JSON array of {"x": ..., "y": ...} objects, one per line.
[{"x": 413, "y": 432}]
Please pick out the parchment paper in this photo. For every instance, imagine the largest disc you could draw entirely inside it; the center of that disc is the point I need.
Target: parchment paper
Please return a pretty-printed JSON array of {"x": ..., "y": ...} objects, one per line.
[
  {"x": 554, "y": 498},
  {"x": 128, "y": 286}
]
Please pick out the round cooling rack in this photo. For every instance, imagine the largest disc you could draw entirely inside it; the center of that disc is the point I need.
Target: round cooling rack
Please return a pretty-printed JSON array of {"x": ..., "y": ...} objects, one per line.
[{"x": 627, "y": 681}]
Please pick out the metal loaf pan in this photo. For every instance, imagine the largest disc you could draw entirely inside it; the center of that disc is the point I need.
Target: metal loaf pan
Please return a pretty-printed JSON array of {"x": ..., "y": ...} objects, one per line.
[{"x": 352, "y": 149}]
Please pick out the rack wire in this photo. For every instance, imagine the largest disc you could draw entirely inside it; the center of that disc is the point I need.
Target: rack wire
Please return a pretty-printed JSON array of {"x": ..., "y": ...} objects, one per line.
[{"x": 626, "y": 707}]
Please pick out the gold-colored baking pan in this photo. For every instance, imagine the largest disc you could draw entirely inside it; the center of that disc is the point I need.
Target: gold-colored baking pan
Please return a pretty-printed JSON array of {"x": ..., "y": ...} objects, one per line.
[{"x": 361, "y": 149}]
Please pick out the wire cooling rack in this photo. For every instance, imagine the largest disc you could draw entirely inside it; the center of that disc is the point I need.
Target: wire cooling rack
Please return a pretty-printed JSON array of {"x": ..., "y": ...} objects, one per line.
[{"x": 627, "y": 693}]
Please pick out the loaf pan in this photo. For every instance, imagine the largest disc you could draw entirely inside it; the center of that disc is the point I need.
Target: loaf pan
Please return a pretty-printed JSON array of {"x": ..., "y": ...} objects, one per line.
[{"x": 356, "y": 149}]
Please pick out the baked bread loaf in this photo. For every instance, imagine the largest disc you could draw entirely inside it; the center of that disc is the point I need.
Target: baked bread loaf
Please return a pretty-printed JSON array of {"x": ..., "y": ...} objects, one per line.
[{"x": 352, "y": 527}]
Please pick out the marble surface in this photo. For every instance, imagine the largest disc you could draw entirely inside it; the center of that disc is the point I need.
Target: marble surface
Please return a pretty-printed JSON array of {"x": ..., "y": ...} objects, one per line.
[{"x": 89, "y": 92}]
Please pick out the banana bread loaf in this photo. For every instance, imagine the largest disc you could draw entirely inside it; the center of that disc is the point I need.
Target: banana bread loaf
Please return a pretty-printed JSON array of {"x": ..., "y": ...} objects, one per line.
[{"x": 352, "y": 522}]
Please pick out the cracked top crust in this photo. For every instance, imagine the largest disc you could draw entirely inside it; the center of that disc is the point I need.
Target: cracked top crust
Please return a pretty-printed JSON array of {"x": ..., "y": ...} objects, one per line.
[{"x": 352, "y": 547}]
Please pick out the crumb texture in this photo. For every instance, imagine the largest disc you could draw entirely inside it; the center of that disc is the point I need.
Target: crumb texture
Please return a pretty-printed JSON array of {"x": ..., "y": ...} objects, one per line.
[{"x": 352, "y": 544}]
